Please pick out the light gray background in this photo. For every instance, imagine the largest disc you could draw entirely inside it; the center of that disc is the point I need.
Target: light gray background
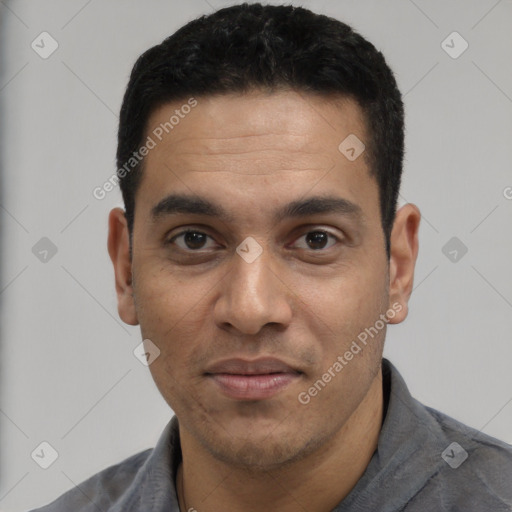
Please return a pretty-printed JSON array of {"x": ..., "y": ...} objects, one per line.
[{"x": 69, "y": 376}]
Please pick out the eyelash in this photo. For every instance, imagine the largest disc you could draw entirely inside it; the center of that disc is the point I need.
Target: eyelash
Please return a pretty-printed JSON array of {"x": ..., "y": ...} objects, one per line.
[{"x": 181, "y": 233}]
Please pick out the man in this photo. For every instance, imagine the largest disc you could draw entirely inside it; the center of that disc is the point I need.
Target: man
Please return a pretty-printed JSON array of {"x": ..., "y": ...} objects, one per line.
[{"x": 260, "y": 250}]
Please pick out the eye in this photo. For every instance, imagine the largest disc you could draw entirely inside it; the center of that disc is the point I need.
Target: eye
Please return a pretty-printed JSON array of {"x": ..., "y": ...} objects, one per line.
[
  {"x": 318, "y": 239},
  {"x": 192, "y": 240}
]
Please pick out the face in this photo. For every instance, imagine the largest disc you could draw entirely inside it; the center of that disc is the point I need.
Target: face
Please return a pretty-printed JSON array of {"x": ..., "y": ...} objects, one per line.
[{"x": 253, "y": 295}]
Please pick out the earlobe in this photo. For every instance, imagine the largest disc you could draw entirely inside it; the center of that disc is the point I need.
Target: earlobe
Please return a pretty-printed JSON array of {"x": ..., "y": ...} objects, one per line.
[
  {"x": 403, "y": 254},
  {"x": 119, "y": 250}
]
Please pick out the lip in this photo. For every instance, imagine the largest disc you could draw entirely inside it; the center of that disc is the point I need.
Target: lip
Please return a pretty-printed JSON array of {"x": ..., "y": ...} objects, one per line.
[{"x": 258, "y": 379}]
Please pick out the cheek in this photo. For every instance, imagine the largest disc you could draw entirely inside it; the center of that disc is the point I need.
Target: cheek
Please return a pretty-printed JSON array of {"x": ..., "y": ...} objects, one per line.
[
  {"x": 174, "y": 313},
  {"x": 349, "y": 300},
  {"x": 162, "y": 309},
  {"x": 350, "y": 308},
  {"x": 170, "y": 315},
  {"x": 164, "y": 298}
]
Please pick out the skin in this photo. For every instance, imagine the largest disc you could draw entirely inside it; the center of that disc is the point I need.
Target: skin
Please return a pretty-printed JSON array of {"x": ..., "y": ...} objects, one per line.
[{"x": 300, "y": 302}]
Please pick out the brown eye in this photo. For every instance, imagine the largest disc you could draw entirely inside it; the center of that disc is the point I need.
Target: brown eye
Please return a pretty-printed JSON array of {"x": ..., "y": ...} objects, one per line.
[
  {"x": 190, "y": 240},
  {"x": 318, "y": 240}
]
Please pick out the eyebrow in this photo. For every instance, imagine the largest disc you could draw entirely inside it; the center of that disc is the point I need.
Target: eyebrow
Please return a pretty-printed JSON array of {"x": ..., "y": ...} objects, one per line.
[{"x": 176, "y": 204}]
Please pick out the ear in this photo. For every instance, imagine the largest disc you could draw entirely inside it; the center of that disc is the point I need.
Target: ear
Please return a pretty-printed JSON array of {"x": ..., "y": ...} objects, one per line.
[
  {"x": 119, "y": 251},
  {"x": 403, "y": 253}
]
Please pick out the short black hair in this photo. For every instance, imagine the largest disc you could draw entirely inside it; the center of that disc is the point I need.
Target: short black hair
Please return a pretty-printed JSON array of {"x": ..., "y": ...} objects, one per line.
[{"x": 253, "y": 46}]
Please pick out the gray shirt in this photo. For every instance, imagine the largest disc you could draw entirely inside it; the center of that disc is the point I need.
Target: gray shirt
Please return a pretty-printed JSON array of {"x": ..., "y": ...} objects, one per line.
[{"x": 425, "y": 461}]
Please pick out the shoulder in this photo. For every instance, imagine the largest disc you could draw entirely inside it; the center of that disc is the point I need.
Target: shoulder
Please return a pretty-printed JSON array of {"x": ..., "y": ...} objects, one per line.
[
  {"x": 437, "y": 462},
  {"x": 102, "y": 489},
  {"x": 144, "y": 478},
  {"x": 476, "y": 469},
  {"x": 487, "y": 452}
]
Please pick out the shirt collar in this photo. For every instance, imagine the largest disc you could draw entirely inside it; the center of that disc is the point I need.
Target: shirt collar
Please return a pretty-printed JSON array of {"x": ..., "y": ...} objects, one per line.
[
  {"x": 154, "y": 487},
  {"x": 408, "y": 452}
]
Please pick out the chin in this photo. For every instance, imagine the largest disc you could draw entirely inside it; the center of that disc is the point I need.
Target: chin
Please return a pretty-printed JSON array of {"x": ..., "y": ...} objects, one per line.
[
  {"x": 265, "y": 449},
  {"x": 253, "y": 455}
]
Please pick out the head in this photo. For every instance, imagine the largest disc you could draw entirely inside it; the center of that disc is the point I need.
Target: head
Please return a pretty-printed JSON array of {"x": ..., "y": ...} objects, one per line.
[{"x": 260, "y": 221}]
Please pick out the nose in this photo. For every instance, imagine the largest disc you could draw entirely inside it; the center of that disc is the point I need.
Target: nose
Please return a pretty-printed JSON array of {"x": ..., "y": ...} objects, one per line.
[{"x": 253, "y": 295}]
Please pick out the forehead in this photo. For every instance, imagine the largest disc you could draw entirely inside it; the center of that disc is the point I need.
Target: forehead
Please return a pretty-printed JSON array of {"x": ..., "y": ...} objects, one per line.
[
  {"x": 256, "y": 146},
  {"x": 303, "y": 122}
]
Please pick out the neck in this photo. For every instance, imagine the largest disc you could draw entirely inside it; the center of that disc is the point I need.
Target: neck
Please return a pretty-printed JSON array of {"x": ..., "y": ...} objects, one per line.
[{"x": 318, "y": 482}]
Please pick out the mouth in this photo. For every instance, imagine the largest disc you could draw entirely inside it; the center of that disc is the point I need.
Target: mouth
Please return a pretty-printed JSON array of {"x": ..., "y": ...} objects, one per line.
[{"x": 259, "y": 379}]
